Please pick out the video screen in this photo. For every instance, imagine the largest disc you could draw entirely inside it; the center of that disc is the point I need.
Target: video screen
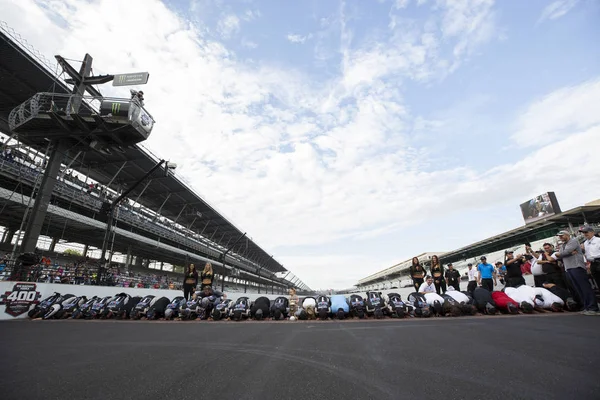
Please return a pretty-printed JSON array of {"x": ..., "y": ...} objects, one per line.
[{"x": 542, "y": 206}]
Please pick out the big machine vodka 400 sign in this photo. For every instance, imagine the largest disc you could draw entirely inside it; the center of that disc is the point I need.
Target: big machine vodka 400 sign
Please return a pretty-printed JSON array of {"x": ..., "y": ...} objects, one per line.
[{"x": 20, "y": 299}]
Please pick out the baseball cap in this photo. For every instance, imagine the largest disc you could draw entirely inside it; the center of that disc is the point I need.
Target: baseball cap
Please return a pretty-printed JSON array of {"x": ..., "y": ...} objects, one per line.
[
  {"x": 469, "y": 265},
  {"x": 563, "y": 232},
  {"x": 483, "y": 258},
  {"x": 586, "y": 229}
]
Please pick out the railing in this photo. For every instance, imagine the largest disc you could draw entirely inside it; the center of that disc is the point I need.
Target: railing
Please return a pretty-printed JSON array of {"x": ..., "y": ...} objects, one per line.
[{"x": 65, "y": 104}]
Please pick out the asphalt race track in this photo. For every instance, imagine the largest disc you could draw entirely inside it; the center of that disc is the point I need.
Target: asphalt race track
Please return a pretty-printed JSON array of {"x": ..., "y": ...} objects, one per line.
[{"x": 548, "y": 356}]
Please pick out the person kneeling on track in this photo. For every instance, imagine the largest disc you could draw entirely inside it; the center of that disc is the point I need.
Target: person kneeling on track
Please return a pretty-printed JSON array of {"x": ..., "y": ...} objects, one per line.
[
  {"x": 189, "y": 309},
  {"x": 357, "y": 306},
  {"x": 158, "y": 308},
  {"x": 504, "y": 303},
  {"x": 375, "y": 304},
  {"x": 221, "y": 309},
  {"x": 464, "y": 300},
  {"x": 419, "y": 302},
  {"x": 209, "y": 297},
  {"x": 323, "y": 307},
  {"x": 564, "y": 294},
  {"x": 524, "y": 297},
  {"x": 339, "y": 306},
  {"x": 173, "y": 307},
  {"x": 451, "y": 307},
  {"x": 260, "y": 308},
  {"x": 435, "y": 302},
  {"x": 483, "y": 301},
  {"x": 308, "y": 309},
  {"x": 548, "y": 300},
  {"x": 142, "y": 307},
  {"x": 396, "y": 308},
  {"x": 279, "y": 308},
  {"x": 241, "y": 309}
]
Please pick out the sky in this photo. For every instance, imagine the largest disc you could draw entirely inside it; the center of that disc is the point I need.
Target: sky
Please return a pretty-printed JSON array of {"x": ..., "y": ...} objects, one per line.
[{"x": 348, "y": 136}]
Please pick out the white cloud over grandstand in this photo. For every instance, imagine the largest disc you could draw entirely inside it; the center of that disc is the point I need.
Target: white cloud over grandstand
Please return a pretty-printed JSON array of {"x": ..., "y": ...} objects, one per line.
[{"x": 326, "y": 165}]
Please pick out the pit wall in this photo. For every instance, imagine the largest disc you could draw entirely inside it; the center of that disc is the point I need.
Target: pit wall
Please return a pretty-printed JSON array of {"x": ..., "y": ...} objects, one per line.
[{"x": 16, "y": 295}]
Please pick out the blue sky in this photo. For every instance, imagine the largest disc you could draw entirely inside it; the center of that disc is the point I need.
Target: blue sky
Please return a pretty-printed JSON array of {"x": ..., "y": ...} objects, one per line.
[{"x": 348, "y": 136}]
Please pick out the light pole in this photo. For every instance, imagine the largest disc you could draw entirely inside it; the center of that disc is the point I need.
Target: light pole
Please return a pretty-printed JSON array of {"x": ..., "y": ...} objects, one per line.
[{"x": 110, "y": 210}]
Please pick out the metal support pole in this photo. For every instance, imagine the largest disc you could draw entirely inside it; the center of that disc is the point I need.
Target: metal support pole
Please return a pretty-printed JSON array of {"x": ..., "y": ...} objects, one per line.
[
  {"x": 223, "y": 261},
  {"x": 143, "y": 190},
  {"x": 42, "y": 199},
  {"x": 180, "y": 212},
  {"x": 115, "y": 175},
  {"x": 162, "y": 205},
  {"x": 207, "y": 222},
  {"x": 111, "y": 215}
]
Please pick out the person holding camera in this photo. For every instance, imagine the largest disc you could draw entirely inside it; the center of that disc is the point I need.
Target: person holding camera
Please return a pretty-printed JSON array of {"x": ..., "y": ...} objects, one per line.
[
  {"x": 553, "y": 272},
  {"x": 514, "y": 274}
]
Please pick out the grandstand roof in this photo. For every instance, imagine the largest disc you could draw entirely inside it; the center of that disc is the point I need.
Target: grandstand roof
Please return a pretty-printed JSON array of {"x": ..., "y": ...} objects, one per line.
[
  {"x": 24, "y": 73},
  {"x": 537, "y": 230}
]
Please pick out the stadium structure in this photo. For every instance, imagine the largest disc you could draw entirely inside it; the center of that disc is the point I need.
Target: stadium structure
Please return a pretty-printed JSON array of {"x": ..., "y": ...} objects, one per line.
[{"x": 69, "y": 153}]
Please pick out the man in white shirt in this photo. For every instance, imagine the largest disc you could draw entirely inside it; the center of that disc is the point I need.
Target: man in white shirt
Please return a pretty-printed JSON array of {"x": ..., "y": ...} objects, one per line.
[
  {"x": 427, "y": 286},
  {"x": 521, "y": 294},
  {"x": 472, "y": 274},
  {"x": 549, "y": 300},
  {"x": 592, "y": 251}
]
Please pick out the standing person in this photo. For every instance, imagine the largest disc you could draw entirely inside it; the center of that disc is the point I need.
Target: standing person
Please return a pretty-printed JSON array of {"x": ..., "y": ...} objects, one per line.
[
  {"x": 592, "y": 252},
  {"x": 417, "y": 273},
  {"x": 537, "y": 269},
  {"x": 572, "y": 257},
  {"x": 554, "y": 273},
  {"x": 190, "y": 282},
  {"x": 501, "y": 272},
  {"x": 473, "y": 278},
  {"x": 487, "y": 274},
  {"x": 428, "y": 286},
  {"x": 514, "y": 274},
  {"x": 437, "y": 272},
  {"x": 453, "y": 277},
  {"x": 207, "y": 275}
]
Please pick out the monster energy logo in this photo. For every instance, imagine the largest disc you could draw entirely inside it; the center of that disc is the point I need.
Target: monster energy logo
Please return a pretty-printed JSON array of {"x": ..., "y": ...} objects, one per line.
[{"x": 115, "y": 108}]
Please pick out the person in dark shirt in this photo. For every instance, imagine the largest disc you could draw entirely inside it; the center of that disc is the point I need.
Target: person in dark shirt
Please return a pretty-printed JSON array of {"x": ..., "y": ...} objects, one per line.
[
  {"x": 417, "y": 273},
  {"x": 484, "y": 302},
  {"x": 260, "y": 308},
  {"x": 554, "y": 273},
  {"x": 514, "y": 275},
  {"x": 190, "y": 282},
  {"x": 437, "y": 272},
  {"x": 453, "y": 277},
  {"x": 207, "y": 275}
]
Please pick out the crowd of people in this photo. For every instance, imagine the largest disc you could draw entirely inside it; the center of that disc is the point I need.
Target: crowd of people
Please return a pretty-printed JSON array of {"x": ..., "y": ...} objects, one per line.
[{"x": 569, "y": 271}]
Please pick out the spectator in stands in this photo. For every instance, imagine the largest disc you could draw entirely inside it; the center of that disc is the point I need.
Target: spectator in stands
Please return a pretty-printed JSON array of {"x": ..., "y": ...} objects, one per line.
[
  {"x": 452, "y": 277},
  {"x": 514, "y": 274},
  {"x": 572, "y": 256},
  {"x": 592, "y": 252},
  {"x": 190, "y": 282},
  {"x": 553, "y": 272},
  {"x": 207, "y": 275},
  {"x": 437, "y": 272},
  {"x": 417, "y": 273},
  {"x": 473, "y": 278},
  {"x": 487, "y": 275}
]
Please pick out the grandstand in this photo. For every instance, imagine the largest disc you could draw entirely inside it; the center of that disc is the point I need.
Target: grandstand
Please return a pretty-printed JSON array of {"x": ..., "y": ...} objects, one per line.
[{"x": 162, "y": 220}]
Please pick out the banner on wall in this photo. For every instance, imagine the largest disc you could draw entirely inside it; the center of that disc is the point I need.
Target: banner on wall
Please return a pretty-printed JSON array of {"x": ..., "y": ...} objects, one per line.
[{"x": 22, "y": 296}]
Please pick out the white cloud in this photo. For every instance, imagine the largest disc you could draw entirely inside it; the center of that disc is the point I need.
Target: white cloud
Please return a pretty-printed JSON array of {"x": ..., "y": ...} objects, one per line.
[
  {"x": 295, "y": 38},
  {"x": 558, "y": 114},
  {"x": 557, "y": 9},
  {"x": 228, "y": 26},
  {"x": 249, "y": 44},
  {"x": 298, "y": 161}
]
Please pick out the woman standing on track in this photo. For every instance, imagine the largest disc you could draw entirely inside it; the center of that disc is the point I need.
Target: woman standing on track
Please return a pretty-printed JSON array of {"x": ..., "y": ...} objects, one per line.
[
  {"x": 437, "y": 271},
  {"x": 190, "y": 282},
  {"x": 207, "y": 275},
  {"x": 417, "y": 273}
]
